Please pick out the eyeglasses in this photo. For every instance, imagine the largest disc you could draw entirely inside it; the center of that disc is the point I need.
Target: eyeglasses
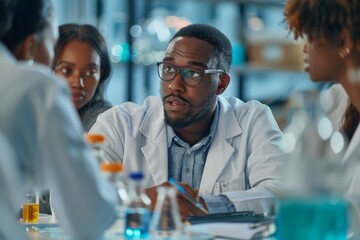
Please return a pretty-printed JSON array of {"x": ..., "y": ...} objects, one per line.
[{"x": 190, "y": 76}]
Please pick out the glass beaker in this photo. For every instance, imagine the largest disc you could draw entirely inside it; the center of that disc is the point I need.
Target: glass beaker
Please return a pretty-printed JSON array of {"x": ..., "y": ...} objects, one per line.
[
  {"x": 166, "y": 222},
  {"x": 30, "y": 208}
]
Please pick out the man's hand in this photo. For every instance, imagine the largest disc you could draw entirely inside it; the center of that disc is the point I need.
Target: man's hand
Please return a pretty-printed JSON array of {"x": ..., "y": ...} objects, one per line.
[
  {"x": 152, "y": 193},
  {"x": 186, "y": 206}
]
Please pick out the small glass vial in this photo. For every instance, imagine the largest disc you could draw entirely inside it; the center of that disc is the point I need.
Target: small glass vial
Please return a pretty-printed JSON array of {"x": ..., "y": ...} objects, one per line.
[
  {"x": 96, "y": 140},
  {"x": 138, "y": 211},
  {"x": 30, "y": 208},
  {"x": 166, "y": 222},
  {"x": 113, "y": 172}
]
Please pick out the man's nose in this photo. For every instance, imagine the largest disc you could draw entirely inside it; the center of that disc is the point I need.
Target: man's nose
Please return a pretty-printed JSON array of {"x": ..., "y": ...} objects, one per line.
[{"x": 177, "y": 84}]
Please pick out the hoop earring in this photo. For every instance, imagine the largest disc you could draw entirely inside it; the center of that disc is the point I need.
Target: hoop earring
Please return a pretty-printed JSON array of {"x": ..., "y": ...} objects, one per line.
[
  {"x": 30, "y": 61},
  {"x": 343, "y": 55}
]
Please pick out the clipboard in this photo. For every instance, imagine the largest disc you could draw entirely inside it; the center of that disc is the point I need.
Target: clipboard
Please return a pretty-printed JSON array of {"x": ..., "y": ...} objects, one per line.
[{"x": 234, "y": 217}]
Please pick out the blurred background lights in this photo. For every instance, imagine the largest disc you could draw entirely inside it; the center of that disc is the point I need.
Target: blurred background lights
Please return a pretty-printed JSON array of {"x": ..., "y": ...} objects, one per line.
[
  {"x": 136, "y": 31},
  {"x": 325, "y": 128},
  {"x": 255, "y": 23},
  {"x": 117, "y": 50},
  {"x": 337, "y": 142},
  {"x": 176, "y": 23},
  {"x": 141, "y": 45},
  {"x": 120, "y": 53}
]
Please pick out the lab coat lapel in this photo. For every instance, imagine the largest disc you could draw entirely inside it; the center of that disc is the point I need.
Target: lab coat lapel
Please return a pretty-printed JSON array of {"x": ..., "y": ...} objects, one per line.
[
  {"x": 155, "y": 151},
  {"x": 353, "y": 146},
  {"x": 221, "y": 150}
]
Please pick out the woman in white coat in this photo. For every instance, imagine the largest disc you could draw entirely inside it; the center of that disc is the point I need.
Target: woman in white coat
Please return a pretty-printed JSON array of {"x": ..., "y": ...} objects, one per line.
[{"x": 333, "y": 52}]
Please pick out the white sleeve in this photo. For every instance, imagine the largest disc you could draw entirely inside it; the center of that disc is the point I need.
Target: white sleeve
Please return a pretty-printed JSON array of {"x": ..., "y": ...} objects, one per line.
[
  {"x": 83, "y": 201},
  {"x": 11, "y": 194}
]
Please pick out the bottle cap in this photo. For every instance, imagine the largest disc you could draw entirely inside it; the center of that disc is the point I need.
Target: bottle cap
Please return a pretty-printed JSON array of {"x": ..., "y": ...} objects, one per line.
[
  {"x": 94, "y": 138},
  {"x": 111, "y": 167},
  {"x": 136, "y": 175}
]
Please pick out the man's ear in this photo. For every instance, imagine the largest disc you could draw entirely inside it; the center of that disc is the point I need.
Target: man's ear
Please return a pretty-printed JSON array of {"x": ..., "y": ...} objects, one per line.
[
  {"x": 224, "y": 82},
  {"x": 25, "y": 49}
]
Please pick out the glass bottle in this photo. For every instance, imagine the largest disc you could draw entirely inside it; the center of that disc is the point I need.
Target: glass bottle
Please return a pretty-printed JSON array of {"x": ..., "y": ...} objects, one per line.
[
  {"x": 137, "y": 216},
  {"x": 113, "y": 172},
  {"x": 96, "y": 140},
  {"x": 30, "y": 208},
  {"x": 314, "y": 208},
  {"x": 166, "y": 222}
]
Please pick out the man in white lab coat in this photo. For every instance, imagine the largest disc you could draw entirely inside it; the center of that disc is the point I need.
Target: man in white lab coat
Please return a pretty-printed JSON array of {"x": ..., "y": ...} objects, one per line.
[
  {"x": 227, "y": 150},
  {"x": 43, "y": 128}
]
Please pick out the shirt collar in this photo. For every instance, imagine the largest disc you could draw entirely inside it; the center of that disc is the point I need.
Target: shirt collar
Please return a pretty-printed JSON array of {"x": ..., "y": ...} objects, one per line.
[{"x": 171, "y": 133}]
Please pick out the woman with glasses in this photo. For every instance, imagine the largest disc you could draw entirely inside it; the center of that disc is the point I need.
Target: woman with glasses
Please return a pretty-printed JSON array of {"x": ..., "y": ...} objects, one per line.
[
  {"x": 81, "y": 57},
  {"x": 222, "y": 149}
]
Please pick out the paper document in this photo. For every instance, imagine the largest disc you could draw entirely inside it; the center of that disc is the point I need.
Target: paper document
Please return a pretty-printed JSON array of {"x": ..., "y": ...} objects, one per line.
[{"x": 241, "y": 231}]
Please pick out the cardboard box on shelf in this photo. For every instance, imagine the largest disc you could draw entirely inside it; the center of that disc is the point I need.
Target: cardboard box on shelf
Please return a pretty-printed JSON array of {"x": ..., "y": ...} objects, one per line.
[{"x": 275, "y": 55}]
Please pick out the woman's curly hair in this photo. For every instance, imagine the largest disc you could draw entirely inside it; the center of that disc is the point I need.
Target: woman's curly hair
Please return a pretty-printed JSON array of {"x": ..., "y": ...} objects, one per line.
[{"x": 327, "y": 18}]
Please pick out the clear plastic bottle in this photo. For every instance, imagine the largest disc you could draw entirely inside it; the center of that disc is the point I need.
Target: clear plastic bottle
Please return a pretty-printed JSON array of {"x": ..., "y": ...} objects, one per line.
[
  {"x": 138, "y": 211},
  {"x": 113, "y": 172}
]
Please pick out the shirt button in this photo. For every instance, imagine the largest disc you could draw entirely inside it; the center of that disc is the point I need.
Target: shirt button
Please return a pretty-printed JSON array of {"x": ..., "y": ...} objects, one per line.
[
  {"x": 176, "y": 139},
  {"x": 187, "y": 170}
]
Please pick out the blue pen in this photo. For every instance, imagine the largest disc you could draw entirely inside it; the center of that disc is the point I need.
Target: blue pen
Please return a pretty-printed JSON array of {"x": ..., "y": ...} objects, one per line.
[{"x": 188, "y": 196}]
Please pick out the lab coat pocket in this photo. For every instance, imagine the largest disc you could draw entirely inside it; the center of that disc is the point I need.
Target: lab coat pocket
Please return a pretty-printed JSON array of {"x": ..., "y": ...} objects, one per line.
[{"x": 230, "y": 185}]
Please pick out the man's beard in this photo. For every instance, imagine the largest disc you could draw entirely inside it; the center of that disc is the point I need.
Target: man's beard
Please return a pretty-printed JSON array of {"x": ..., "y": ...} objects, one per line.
[{"x": 190, "y": 118}]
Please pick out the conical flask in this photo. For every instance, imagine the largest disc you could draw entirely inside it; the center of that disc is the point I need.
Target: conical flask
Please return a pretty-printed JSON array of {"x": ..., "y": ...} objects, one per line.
[{"x": 166, "y": 222}]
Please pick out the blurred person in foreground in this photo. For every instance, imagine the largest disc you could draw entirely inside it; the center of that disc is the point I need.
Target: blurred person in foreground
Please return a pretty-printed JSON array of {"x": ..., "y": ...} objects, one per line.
[
  {"x": 225, "y": 150},
  {"x": 42, "y": 126},
  {"x": 32, "y": 41},
  {"x": 81, "y": 57},
  {"x": 332, "y": 29}
]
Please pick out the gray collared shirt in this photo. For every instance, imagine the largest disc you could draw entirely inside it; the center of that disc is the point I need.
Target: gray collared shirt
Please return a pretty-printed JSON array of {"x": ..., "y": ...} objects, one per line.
[{"x": 186, "y": 164}]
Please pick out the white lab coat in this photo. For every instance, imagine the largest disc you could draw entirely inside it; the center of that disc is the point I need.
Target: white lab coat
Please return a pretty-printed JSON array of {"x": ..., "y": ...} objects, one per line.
[
  {"x": 337, "y": 96},
  {"x": 351, "y": 182},
  {"x": 41, "y": 124},
  {"x": 351, "y": 163},
  {"x": 11, "y": 194},
  {"x": 247, "y": 137}
]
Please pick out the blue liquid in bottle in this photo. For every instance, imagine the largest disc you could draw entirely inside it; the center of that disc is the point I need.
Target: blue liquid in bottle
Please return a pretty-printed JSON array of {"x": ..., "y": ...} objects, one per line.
[
  {"x": 137, "y": 223},
  {"x": 312, "y": 219},
  {"x": 137, "y": 215}
]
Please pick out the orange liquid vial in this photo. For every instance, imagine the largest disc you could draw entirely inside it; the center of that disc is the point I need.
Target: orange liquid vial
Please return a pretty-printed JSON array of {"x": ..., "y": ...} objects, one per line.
[{"x": 30, "y": 213}]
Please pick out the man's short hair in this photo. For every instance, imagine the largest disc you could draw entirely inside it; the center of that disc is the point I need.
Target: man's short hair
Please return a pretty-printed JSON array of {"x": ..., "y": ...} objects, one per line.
[{"x": 222, "y": 45}]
